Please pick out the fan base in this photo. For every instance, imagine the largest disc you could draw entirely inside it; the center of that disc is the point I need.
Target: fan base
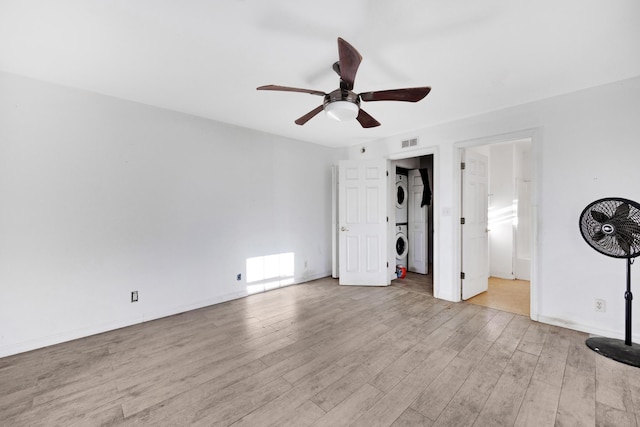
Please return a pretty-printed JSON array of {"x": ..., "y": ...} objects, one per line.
[{"x": 616, "y": 350}]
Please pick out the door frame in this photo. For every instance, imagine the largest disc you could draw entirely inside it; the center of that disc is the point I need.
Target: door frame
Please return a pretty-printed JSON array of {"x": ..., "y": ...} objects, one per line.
[
  {"x": 435, "y": 186},
  {"x": 535, "y": 136}
]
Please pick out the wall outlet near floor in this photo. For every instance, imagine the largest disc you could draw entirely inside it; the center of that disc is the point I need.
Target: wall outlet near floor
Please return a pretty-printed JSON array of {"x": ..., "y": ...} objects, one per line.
[
  {"x": 239, "y": 276},
  {"x": 600, "y": 305},
  {"x": 134, "y": 296}
]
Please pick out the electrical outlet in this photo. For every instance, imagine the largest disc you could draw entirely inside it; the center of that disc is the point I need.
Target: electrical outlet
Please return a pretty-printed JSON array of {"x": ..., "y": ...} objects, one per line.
[
  {"x": 239, "y": 276},
  {"x": 134, "y": 296},
  {"x": 600, "y": 305}
]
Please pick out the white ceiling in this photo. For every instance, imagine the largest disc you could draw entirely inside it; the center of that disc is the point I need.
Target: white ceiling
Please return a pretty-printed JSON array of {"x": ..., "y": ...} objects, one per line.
[{"x": 206, "y": 58}]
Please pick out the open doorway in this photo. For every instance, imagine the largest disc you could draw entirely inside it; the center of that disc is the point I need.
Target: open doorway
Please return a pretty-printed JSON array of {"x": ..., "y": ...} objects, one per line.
[
  {"x": 505, "y": 262},
  {"x": 386, "y": 251},
  {"x": 412, "y": 207}
]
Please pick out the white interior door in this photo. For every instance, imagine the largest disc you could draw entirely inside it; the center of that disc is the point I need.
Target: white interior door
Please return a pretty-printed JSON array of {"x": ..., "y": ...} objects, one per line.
[
  {"x": 417, "y": 225},
  {"x": 362, "y": 222},
  {"x": 475, "y": 251}
]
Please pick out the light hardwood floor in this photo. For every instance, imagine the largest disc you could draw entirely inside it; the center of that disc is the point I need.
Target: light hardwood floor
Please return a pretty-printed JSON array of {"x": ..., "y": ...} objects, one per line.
[
  {"x": 422, "y": 283},
  {"x": 507, "y": 295},
  {"x": 326, "y": 355}
]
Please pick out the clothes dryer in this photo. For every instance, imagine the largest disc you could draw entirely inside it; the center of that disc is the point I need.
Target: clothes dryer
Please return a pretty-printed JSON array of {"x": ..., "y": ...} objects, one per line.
[
  {"x": 402, "y": 245},
  {"x": 402, "y": 195}
]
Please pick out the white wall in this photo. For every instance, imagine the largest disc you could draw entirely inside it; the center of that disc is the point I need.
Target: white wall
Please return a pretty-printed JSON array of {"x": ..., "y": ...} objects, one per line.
[
  {"x": 585, "y": 146},
  {"x": 100, "y": 197}
]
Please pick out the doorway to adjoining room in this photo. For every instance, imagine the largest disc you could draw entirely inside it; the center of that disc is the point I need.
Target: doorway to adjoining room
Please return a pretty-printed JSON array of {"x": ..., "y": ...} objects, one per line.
[{"x": 506, "y": 262}]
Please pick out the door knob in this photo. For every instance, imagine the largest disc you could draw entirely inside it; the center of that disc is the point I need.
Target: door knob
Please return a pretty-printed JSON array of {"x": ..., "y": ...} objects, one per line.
[{"x": 344, "y": 229}]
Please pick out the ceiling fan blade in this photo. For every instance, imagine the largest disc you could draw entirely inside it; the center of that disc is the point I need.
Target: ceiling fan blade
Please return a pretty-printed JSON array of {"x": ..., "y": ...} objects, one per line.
[
  {"x": 291, "y": 89},
  {"x": 349, "y": 62},
  {"x": 304, "y": 119},
  {"x": 366, "y": 120},
  {"x": 413, "y": 94}
]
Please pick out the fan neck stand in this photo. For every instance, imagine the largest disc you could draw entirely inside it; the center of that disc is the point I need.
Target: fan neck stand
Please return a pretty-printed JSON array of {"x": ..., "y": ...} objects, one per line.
[
  {"x": 625, "y": 352},
  {"x": 628, "y": 297}
]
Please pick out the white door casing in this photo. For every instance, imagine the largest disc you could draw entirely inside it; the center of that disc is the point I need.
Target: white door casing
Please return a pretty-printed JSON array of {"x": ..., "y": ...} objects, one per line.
[
  {"x": 417, "y": 225},
  {"x": 362, "y": 222},
  {"x": 475, "y": 256}
]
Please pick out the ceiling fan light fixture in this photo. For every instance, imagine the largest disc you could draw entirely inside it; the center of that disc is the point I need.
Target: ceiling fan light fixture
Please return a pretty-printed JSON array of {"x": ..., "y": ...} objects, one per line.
[
  {"x": 342, "y": 110},
  {"x": 343, "y": 104}
]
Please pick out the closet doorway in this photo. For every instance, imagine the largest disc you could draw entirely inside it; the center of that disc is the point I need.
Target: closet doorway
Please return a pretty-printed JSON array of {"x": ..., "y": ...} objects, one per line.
[{"x": 416, "y": 225}]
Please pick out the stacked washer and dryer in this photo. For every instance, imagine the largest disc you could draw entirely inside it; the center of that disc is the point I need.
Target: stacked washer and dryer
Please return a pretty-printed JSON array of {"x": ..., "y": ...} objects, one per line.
[{"x": 402, "y": 243}]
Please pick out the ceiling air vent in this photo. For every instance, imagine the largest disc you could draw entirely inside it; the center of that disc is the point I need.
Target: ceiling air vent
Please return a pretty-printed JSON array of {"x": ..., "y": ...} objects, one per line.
[{"x": 410, "y": 142}]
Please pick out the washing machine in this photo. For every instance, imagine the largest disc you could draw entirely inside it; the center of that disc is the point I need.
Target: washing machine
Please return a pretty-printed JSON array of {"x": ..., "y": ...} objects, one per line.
[
  {"x": 402, "y": 195},
  {"x": 402, "y": 245}
]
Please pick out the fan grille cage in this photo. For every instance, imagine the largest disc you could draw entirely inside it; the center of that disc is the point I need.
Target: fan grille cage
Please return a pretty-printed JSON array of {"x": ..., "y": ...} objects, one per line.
[{"x": 611, "y": 226}]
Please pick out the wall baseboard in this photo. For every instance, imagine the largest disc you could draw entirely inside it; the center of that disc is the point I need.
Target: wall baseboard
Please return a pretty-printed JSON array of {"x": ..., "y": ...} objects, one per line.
[
  {"x": 589, "y": 329},
  {"x": 75, "y": 334}
]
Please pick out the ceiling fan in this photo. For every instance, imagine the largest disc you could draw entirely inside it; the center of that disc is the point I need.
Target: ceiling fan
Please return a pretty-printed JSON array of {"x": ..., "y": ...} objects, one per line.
[{"x": 343, "y": 104}]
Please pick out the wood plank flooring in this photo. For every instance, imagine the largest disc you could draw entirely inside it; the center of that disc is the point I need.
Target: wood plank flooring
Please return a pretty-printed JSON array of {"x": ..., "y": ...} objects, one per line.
[
  {"x": 422, "y": 283},
  {"x": 324, "y": 355}
]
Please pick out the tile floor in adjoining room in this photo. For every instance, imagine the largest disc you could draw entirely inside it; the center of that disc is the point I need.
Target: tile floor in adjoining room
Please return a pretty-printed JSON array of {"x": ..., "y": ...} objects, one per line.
[{"x": 507, "y": 295}]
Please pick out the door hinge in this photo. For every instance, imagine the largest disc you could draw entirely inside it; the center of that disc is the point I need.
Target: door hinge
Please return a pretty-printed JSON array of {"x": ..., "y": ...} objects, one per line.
[
  {"x": 463, "y": 165},
  {"x": 387, "y": 219},
  {"x": 462, "y": 221},
  {"x": 387, "y": 264},
  {"x": 387, "y": 173},
  {"x": 462, "y": 275}
]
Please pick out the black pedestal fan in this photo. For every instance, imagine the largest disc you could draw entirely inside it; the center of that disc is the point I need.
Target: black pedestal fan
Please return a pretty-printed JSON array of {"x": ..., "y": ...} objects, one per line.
[{"x": 611, "y": 226}]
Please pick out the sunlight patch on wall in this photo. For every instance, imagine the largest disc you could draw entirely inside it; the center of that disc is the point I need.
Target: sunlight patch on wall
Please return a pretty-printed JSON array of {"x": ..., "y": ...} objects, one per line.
[
  {"x": 269, "y": 272},
  {"x": 508, "y": 214}
]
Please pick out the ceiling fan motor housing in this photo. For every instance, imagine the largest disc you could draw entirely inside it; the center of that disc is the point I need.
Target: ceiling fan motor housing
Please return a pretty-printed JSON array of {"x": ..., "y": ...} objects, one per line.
[{"x": 342, "y": 95}]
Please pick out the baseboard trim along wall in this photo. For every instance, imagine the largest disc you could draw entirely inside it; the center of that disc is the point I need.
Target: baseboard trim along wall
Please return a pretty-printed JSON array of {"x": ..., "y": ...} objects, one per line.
[
  {"x": 133, "y": 320},
  {"x": 589, "y": 329}
]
